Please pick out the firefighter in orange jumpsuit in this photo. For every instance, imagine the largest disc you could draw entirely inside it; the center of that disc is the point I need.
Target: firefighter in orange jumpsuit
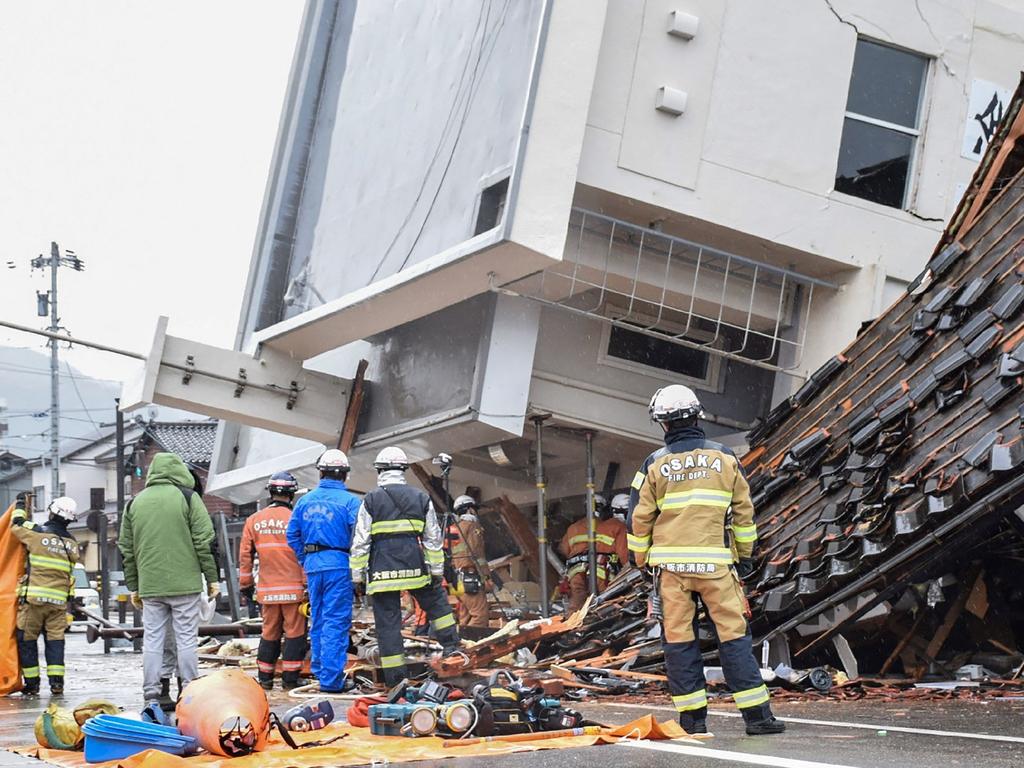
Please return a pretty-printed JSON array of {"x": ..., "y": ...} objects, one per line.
[
  {"x": 469, "y": 563},
  {"x": 281, "y": 588},
  {"x": 611, "y": 546}
]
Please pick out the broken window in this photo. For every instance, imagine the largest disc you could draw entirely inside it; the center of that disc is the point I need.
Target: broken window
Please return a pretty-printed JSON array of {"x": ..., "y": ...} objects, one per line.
[{"x": 881, "y": 129}]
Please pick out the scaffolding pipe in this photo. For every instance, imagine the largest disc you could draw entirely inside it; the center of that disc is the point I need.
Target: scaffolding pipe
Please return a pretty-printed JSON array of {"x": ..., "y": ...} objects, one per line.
[
  {"x": 542, "y": 523},
  {"x": 591, "y": 530}
]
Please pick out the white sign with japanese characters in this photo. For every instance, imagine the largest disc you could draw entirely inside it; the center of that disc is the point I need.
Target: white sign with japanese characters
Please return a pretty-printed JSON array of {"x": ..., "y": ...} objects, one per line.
[{"x": 984, "y": 111}]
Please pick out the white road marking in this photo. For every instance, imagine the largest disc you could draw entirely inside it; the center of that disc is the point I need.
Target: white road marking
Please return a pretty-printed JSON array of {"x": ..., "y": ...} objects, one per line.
[
  {"x": 709, "y": 753},
  {"x": 862, "y": 726}
]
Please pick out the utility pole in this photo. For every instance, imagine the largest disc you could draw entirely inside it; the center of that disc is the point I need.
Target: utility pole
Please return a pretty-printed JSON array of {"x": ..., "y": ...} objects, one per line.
[{"x": 46, "y": 304}]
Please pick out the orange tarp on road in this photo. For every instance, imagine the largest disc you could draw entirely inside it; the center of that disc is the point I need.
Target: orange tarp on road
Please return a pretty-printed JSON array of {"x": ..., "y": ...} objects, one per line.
[
  {"x": 360, "y": 747},
  {"x": 12, "y": 564}
]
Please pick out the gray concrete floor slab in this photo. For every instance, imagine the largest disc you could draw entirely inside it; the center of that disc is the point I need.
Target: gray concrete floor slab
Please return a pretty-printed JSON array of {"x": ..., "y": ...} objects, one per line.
[{"x": 962, "y": 735}]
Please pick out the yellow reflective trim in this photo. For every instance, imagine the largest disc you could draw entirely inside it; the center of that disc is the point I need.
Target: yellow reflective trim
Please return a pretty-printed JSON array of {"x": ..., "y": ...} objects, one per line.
[
  {"x": 444, "y": 622},
  {"x": 33, "y": 591},
  {"x": 359, "y": 562},
  {"x": 53, "y": 563},
  {"x": 607, "y": 540},
  {"x": 30, "y": 672},
  {"x": 390, "y": 662},
  {"x": 395, "y": 585},
  {"x": 702, "y": 497},
  {"x": 745, "y": 533},
  {"x": 580, "y": 539},
  {"x": 638, "y": 480},
  {"x": 54, "y": 669},
  {"x": 397, "y": 526},
  {"x": 433, "y": 555},
  {"x": 638, "y": 543},
  {"x": 690, "y": 701},
  {"x": 666, "y": 555},
  {"x": 752, "y": 697}
]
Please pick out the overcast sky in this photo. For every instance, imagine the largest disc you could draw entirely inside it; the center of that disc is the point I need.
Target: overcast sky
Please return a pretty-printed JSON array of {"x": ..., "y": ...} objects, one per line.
[{"x": 138, "y": 134}]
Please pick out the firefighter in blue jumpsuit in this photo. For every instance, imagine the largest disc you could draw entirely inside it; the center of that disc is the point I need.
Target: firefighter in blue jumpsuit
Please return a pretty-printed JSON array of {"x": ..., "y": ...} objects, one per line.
[
  {"x": 397, "y": 546},
  {"x": 320, "y": 533}
]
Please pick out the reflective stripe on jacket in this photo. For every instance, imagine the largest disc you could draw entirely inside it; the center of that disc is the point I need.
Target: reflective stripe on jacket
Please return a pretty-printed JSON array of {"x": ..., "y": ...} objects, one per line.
[
  {"x": 51, "y": 554},
  {"x": 683, "y": 497},
  {"x": 609, "y": 539},
  {"x": 265, "y": 537},
  {"x": 397, "y": 541}
]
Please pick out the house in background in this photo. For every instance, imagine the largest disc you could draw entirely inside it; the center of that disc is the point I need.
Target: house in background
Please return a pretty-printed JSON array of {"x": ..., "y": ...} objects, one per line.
[
  {"x": 540, "y": 209},
  {"x": 89, "y": 476}
]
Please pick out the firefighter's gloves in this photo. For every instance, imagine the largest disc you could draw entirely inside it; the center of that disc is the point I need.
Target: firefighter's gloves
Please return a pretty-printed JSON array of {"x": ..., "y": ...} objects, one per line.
[
  {"x": 249, "y": 593},
  {"x": 136, "y": 600},
  {"x": 212, "y": 590},
  {"x": 20, "y": 500},
  {"x": 745, "y": 568},
  {"x": 357, "y": 576}
]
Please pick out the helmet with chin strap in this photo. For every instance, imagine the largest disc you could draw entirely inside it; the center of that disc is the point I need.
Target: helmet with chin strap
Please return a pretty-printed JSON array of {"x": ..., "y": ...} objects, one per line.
[
  {"x": 464, "y": 503},
  {"x": 333, "y": 461},
  {"x": 282, "y": 484}
]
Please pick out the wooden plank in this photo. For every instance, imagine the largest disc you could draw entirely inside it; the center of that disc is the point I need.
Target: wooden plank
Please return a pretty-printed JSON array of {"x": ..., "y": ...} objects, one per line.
[
  {"x": 902, "y": 644},
  {"x": 354, "y": 409},
  {"x": 440, "y": 503},
  {"x": 953, "y": 614},
  {"x": 525, "y": 538}
]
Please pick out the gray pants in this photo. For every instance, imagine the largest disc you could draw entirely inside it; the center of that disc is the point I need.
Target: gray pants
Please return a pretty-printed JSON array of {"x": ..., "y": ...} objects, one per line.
[{"x": 179, "y": 618}]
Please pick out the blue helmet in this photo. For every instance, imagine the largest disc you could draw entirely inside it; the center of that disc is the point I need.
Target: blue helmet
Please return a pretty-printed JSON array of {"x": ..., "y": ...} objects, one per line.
[{"x": 282, "y": 484}]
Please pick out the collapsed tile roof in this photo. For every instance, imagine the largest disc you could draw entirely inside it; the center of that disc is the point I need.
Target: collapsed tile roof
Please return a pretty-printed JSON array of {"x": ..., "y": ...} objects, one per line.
[{"x": 899, "y": 454}]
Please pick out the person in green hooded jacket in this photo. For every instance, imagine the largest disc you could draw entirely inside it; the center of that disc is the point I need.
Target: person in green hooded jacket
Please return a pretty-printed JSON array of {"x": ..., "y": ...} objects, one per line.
[{"x": 165, "y": 545}]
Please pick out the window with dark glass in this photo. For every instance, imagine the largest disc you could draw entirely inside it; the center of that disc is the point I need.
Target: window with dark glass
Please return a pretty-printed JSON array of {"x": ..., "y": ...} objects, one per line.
[
  {"x": 881, "y": 129},
  {"x": 642, "y": 349}
]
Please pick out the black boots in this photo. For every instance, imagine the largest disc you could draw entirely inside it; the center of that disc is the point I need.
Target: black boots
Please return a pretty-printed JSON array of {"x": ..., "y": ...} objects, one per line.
[
  {"x": 761, "y": 722},
  {"x": 292, "y": 656},
  {"x": 694, "y": 721},
  {"x": 167, "y": 704},
  {"x": 56, "y": 685},
  {"x": 30, "y": 688},
  {"x": 266, "y": 662}
]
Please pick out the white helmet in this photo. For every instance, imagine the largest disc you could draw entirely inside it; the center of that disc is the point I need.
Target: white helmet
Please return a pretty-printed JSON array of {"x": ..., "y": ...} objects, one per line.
[
  {"x": 600, "y": 502},
  {"x": 391, "y": 458},
  {"x": 65, "y": 508},
  {"x": 333, "y": 460},
  {"x": 673, "y": 403},
  {"x": 620, "y": 502},
  {"x": 462, "y": 502}
]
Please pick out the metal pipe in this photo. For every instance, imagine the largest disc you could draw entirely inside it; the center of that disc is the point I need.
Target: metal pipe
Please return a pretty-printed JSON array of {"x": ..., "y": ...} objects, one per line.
[
  {"x": 230, "y": 572},
  {"x": 241, "y": 629},
  {"x": 119, "y": 472},
  {"x": 591, "y": 530},
  {"x": 542, "y": 523}
]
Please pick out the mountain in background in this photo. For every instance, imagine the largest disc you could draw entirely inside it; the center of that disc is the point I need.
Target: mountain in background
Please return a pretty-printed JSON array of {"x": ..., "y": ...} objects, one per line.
[{"x": 25, "y": 386}]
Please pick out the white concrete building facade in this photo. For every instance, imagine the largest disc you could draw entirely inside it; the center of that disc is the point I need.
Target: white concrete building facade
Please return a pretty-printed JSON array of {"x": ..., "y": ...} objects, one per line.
[{"x": 553, "y": 207}]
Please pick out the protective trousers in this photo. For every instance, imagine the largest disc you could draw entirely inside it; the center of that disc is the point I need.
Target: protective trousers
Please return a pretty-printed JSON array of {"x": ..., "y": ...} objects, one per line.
[
  {"x": 723, "y": 599},
  {"x": 387, "y": 616},
  {"x": 474, "y": 610},
  {"x": 281, "y": 618},
  {"x": 579, "y": 590},
  {"x": 330, "y": 602},
  {"x": 32, "y": 620}
]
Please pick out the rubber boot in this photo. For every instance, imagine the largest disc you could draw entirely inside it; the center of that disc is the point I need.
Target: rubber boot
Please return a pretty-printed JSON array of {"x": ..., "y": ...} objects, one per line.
[
  {"x": 167, "y": 704},
  {"x": 266, "y": 661},
  {"x": 761, "y": 722},
  {"x": 31, "y": 687},
  {"x": 54, "y": 650},
  {"x": 694, "y": 721},
  {"x": 292, "y": 656}
]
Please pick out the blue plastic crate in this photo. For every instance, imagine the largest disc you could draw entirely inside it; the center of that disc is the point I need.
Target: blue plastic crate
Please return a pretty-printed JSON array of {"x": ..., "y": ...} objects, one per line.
[{"x": 108, "y": 737}]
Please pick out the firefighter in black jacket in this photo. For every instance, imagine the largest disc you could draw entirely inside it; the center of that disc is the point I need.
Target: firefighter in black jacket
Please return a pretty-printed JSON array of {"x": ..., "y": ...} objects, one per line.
[{"x": 397, "y": 546}]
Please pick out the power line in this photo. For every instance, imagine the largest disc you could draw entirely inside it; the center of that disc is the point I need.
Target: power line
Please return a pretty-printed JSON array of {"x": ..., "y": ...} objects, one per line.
[
  {"x": 14, "y": 368},
  {"x": 74, "y": 384}
]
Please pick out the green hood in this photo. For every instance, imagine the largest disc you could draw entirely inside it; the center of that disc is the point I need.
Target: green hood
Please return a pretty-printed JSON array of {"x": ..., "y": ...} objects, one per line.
[{"x": 169, "y": 468}]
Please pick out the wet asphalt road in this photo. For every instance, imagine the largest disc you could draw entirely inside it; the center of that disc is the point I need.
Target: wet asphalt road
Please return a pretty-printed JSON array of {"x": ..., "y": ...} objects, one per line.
[{"x": 119, "y": 677}]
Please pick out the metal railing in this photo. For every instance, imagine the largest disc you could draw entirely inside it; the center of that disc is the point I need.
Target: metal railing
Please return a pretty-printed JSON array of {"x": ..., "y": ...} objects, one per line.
[{"x": 678, "y": 290}]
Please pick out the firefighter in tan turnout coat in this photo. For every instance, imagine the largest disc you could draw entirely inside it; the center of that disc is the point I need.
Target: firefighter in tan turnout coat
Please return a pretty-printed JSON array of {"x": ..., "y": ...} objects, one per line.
[{"x": 692, "y": 521}]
